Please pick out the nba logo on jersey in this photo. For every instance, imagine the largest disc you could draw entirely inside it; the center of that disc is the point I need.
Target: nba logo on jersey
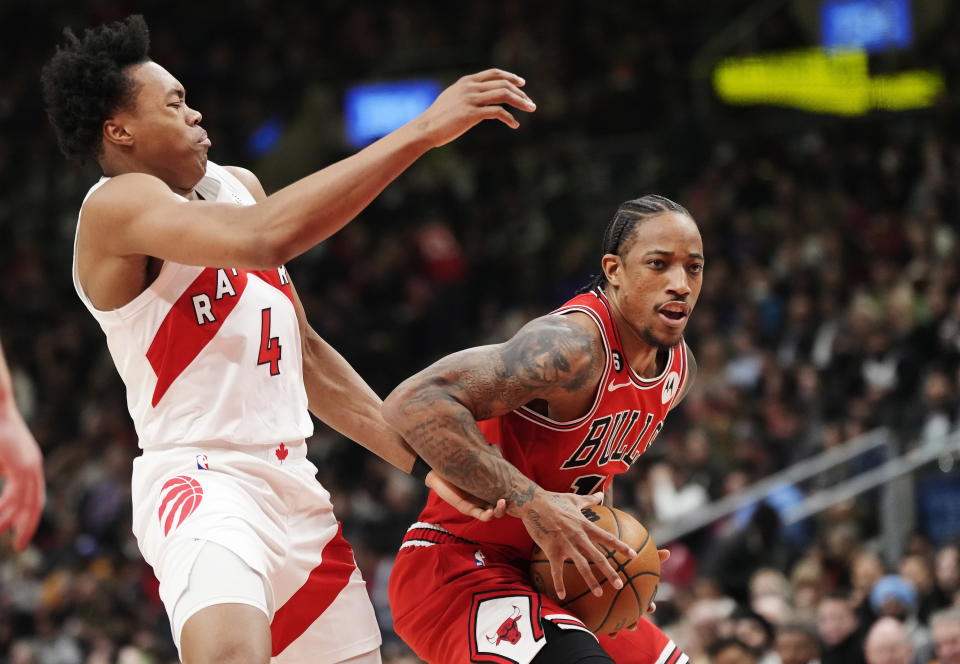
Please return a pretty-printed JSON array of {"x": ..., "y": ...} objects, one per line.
[
  {"x": 202, "y": 462},
  {"x": 479, "y": 559}
]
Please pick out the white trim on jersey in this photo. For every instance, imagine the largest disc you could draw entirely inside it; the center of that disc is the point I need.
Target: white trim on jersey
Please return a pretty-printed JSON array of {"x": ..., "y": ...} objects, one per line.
[
  {"x": 666, "y": 652},
  {"x": 683, "y": 374},
  {"x": 638, "y": 381},
  {"x": 423, "y": 525},
  {"x": 416, "y": 542},
  {"x": 568, "y": 626}
]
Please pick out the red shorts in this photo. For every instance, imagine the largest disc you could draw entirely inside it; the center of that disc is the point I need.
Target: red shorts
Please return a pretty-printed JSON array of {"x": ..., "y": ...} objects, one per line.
[{"x": 456, "y": 602}]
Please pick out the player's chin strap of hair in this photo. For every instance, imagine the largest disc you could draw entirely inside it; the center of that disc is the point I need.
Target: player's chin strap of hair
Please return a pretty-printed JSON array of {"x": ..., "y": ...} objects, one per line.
[{"x": 420, "y": 469}]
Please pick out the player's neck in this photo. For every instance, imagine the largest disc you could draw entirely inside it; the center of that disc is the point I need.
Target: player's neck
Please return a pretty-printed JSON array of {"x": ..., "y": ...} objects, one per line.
[
  {"x": 119, "y": 164},
  {"x": 639, "y": 354}
]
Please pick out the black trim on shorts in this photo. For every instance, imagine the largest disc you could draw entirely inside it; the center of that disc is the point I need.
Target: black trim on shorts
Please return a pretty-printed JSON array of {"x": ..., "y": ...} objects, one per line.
[{"x": 570, "y": 646}]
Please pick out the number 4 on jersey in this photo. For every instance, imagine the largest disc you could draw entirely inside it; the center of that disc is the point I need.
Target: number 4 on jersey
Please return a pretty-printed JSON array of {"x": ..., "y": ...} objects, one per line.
[{"x": 269, "y": 346}]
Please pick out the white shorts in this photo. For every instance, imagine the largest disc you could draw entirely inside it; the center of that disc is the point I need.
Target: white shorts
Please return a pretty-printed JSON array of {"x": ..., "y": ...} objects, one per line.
[{"x": 265, "y": 505}]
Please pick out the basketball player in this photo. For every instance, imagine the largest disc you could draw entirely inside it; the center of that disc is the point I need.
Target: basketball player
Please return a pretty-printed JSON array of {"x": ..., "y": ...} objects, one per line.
[
  {"x": 181, "y": 263},
  {"x": 546, "y": 420},
  {"x": 21, "y": 467}
]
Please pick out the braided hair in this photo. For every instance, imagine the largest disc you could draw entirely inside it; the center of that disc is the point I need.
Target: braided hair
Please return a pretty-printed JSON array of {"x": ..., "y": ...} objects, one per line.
[{"x": 624, "y": 221}]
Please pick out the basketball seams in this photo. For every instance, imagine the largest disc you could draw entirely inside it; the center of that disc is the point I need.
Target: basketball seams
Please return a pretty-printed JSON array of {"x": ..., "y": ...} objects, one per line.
[
  {"x": 610, "y": 607},
  {"x": 616, "y": 520},
  {"x": 613, "y": 603}
]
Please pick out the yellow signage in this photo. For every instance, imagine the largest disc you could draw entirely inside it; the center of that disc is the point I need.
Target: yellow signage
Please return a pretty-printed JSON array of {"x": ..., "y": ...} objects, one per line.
[{"x": 822, "y": 81}]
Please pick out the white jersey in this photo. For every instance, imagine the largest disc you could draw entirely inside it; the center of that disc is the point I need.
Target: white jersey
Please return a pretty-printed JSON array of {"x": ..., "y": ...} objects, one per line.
[{"x": 210, "y": 354}]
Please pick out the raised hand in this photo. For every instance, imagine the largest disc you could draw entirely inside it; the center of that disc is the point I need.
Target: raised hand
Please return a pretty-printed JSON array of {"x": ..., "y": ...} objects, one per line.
[
  {"x": 557, "y": 525},
  {"x": 21, "y": 467},
  {"x": 471, "y": 100}
]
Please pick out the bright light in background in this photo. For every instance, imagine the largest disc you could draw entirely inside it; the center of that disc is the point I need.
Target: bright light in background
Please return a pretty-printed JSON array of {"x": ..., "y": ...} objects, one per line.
[
  {"x": 837, "y": 82},
  {"x": 372, "y": 110},
  {"x": 873, "y": 25},
  {"x": 265, "y": 137}
]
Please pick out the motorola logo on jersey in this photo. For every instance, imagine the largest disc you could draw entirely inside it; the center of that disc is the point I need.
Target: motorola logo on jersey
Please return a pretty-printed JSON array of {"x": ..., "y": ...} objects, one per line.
[
  {"x": 670, "y": 387},
  {"x": 611, "y": 438}
]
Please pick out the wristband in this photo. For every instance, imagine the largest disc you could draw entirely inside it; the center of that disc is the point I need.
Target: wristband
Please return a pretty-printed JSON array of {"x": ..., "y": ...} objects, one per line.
[{"x": 420, "y": 469}]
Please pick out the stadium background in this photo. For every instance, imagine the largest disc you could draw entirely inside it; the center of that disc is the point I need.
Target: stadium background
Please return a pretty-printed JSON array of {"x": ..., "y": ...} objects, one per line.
[{"x": 830, "y": 302}]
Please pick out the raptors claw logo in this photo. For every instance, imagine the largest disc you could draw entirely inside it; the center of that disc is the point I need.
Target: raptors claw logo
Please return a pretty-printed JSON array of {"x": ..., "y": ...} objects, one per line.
[{"x": 508, "y": 631}]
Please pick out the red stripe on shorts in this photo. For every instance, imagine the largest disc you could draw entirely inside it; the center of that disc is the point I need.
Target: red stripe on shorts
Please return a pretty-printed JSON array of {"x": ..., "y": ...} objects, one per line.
[{"x": 322, "y": 587}]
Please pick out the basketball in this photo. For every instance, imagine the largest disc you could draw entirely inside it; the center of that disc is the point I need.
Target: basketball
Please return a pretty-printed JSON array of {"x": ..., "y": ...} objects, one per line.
[{"x": 614, "y": 610}]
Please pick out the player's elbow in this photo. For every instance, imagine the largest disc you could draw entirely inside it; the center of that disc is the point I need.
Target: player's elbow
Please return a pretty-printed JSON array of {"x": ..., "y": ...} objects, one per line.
[
  {"x": 269, "y": 242},
  {"x": 392, "y": 409},
  {"x": 268, "y": 249},
  {"x": 404, "y": 407}
]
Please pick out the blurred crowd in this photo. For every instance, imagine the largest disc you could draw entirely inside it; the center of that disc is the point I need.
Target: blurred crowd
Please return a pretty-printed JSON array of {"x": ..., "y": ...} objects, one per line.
[{"x": 830, "y": 306}]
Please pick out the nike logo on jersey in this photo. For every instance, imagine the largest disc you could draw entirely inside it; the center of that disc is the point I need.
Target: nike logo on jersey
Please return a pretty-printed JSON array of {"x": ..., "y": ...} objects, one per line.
[{"x": 612, "y": 387}]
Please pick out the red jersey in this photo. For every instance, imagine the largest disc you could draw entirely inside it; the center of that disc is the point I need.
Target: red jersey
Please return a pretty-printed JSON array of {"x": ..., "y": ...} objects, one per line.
[{"x": 579, "y": 456}]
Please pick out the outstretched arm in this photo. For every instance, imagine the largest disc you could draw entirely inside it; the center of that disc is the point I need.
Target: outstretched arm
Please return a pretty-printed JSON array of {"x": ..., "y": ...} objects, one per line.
[
  {"x": 136, "y": 214},
  {"x": 436, "y": 412},
  {"x": 21, "y": 466}
]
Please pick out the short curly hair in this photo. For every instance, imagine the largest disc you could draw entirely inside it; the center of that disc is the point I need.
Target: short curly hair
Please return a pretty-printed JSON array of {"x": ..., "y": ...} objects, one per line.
[{"x": 85, "y": 82}]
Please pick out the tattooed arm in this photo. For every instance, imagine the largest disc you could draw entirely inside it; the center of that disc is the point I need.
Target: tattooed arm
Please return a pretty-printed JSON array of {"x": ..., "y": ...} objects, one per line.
[{"x": 553, "y": 359}]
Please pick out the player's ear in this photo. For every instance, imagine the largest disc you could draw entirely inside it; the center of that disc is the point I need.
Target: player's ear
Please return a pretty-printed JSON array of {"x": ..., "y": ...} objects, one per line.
[
  {"x": 612, "y": 267},
  {"x": 116, "y": 131}
]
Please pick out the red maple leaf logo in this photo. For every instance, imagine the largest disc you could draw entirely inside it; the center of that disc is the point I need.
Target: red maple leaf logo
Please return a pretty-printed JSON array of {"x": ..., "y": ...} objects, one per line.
[{"x": 281, "y": 452}]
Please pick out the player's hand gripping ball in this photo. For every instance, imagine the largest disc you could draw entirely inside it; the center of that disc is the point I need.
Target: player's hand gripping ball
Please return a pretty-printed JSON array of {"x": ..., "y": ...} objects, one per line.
[{"x": 615, "y": 609}]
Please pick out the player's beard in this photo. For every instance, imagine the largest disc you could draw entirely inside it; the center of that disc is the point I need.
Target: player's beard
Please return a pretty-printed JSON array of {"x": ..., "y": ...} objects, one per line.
[{"x": 649, "y": 337}]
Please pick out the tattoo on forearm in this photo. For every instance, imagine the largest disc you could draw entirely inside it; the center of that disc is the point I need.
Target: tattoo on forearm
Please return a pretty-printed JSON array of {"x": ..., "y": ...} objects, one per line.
[{"x": 441, "y": 406}]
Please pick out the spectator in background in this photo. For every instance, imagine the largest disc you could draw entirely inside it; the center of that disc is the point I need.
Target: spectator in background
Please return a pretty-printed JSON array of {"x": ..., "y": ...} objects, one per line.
[
  {"x": 757, "y": 633},
  {"x": 807, "y": 581},
  {"x": 916, "y": 569},
  {"x": 945, "y": 628},
  {"x": 895, "y": 597},
  {"x": 674, "y": 492},
  {"x": 771, "y": 596},
  {"x": 797, "y": 643},
  {"x": 732, "y": 651},
  {"x": 866, "y": 571},
  {"x": 734, "y": 558},
  {"x": 946, "y": 575},
  {"x": 888, "y": 643},
  {"x": 837, "y": 625},
  {"x": 21, "y": 467}
]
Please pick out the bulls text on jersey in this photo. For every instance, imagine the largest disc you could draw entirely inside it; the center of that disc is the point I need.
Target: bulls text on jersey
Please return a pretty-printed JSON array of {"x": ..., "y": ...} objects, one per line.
[{"x": 611, "y": 438}]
